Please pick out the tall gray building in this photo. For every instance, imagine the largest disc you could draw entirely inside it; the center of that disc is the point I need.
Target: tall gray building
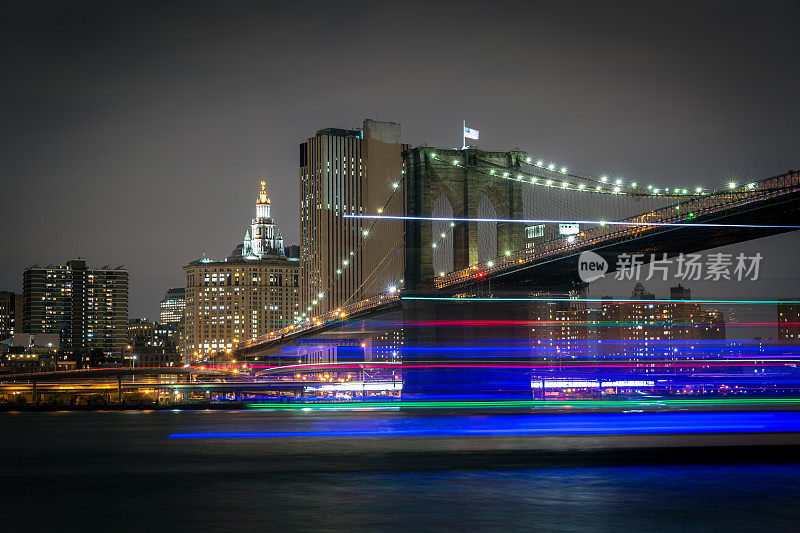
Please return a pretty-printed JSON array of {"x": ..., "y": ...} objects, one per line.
[
  {"x": 87, "y": 307},
  {"x": 349, "y": 172}
]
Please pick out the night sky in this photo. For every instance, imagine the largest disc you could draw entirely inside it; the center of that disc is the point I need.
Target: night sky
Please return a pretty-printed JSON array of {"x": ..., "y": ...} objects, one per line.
[{"x": 134, "y": 133}]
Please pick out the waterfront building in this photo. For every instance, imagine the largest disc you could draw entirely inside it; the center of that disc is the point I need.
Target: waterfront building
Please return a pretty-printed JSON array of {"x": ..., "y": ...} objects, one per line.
[
  {"x": 141, "y": 332},
  {"x": 254, "y": 291},
  {"x": 169, "y": 335},
  {"x": 640, "y": 328},
  {"x": 10, "y": 314},
  {"x": 172, "y": 311},
  {"x": 789, "y": 321},
  {"x": 25, "y": 352},
  {"x": 559, "y": 323},
  {"x": 173, "y": 306},
  {"x": 349, "y": 172},
  {"x": 152, "y": 356},
  {"x": 87, "y": 307}
]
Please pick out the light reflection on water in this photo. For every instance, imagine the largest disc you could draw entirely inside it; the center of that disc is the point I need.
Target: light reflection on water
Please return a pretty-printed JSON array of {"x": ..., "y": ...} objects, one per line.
[{"x": 68, "y": 471}]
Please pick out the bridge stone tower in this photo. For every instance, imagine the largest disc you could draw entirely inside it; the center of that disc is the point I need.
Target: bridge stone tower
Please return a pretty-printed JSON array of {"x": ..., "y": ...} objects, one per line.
[{"x": 459, "y": 179}]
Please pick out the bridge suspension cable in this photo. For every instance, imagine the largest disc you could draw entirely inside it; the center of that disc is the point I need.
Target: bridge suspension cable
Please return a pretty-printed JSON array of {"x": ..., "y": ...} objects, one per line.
[{"x": 346, "y": 262}]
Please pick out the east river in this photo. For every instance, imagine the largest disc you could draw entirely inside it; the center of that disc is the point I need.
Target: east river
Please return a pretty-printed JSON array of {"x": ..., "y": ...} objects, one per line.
[{"x": 372, "y": 471}]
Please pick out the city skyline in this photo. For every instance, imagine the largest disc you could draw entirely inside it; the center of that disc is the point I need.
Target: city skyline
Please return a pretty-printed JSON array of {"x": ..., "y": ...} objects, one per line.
[
  {"x": 400, "y": 266},
  {"x": 167, "y": 179}
]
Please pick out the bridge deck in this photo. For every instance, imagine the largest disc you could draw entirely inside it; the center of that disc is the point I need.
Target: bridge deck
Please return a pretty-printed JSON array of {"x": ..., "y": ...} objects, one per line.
[
  {"x": 692, "y": 212},
  {"x": 695, "y": 223}
]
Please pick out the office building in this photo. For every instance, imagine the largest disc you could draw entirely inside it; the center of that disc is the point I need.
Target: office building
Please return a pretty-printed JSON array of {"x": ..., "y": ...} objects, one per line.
[
  {"x": 10, "y": 314},
  {"x": 170, "y": 327},
  {"x": 639, "y": 328},
  {"x": 172, "y": 306},
  {"x": 350, "y": 172},
  {"x": 789, "y": 321},
  {"x": 254, "y": 291},
  {"x": 292, "y": 251},
  {"x": 558, "y": 321},
  {"x": 87, "y": 307},
  {"x": 141, "y": 332},
  {"x": 169, "y": 335}
]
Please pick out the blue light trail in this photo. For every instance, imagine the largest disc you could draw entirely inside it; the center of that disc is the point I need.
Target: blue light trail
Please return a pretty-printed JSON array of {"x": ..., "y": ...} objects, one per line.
[{"x": 531, "y": 425}]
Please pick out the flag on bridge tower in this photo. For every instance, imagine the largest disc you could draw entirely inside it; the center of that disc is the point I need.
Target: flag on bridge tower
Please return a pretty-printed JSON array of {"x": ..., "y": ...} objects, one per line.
[{"x": 469, "y": 133}]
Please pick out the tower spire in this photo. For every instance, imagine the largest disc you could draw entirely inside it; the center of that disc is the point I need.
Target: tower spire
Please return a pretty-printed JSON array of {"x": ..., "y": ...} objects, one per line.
[
  {"x": 262, "y": 197},
  {"x": 263, "y": 237}
]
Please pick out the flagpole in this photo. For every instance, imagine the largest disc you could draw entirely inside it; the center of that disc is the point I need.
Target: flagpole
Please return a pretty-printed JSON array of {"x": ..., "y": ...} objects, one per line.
[{"x": 464, "y": 135}]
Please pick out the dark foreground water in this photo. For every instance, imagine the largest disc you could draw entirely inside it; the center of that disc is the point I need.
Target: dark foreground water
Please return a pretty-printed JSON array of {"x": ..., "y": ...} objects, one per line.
[{"x": 121, "y": 471}]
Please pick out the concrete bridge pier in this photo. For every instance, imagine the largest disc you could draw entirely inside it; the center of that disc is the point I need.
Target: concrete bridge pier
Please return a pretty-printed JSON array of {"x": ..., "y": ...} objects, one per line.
[{"x": 453, "y": 353}]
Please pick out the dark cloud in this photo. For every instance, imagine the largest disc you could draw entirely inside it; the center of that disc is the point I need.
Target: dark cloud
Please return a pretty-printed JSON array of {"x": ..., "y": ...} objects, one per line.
[{"x": 134, "y": 133}]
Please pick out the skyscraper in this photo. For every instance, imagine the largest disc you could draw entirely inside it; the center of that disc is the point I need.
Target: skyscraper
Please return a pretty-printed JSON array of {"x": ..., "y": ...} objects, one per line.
[
  {"x": 87, "y": 307},
  {"x": 10, "y": 314},
  {"x": 349, "y": 172},
  {"x": 172, "y": 309},
  {"x": 254, "y": 291},
  {"x": 173, "y": 306}
]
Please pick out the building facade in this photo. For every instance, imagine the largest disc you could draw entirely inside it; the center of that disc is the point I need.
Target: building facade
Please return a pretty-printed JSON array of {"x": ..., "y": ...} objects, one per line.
[
  {"x": 141, "y": 332},
  {"x": 559, "y": 324},
  {"x": 87, "y": 307},
  {"x": 172, "y": 310},
  {"x": 646, "y": 326},
  {"x": 10, "y": 314},
  {"x": 173, "y": 306},
  {"x": 254, "y": 291},
  {"x": 789, "y": 321},
  {"x": 263, "y": 238},
  {"x": 349, "y": 172}
]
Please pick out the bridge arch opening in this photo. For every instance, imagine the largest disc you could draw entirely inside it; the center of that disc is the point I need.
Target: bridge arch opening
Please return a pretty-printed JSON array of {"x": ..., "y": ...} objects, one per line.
[
  {"x": 487, "y": 231},
  {"x": 443, "y": 253}
]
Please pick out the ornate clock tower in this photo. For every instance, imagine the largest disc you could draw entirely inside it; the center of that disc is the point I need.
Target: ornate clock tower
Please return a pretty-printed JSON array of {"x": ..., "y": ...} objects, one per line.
[{"x": 263, "y": 238}]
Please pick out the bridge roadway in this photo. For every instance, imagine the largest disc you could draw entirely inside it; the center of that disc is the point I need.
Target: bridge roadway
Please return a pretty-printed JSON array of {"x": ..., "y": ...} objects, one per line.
[
  {"x": 112, "y": 372},
  {"x": 678, "y": 228},
  {"x": 61, "y": 387},
  {"x": 108, "y": 388}
]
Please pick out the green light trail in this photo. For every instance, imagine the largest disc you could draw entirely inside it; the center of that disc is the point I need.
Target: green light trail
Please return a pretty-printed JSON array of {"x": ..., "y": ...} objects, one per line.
[{"x": 523, "y": 404}]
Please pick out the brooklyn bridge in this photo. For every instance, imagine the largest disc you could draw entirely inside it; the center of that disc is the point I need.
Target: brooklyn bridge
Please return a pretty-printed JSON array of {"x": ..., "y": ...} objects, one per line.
[{"x": 470, "y": 246}]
